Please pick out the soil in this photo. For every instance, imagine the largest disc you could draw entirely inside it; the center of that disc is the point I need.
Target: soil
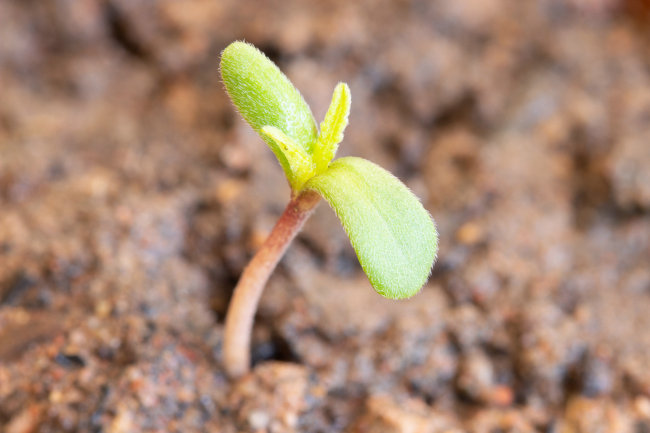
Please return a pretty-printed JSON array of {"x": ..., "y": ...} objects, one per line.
[{"x": 132, "y": 195}]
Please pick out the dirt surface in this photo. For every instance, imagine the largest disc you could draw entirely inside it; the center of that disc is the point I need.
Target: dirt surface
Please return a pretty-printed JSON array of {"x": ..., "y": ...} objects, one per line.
[{"x": 132, "y": 195}]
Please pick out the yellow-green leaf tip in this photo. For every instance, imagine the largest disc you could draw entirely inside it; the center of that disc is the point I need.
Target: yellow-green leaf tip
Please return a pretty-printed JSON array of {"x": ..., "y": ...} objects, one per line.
[{"x": 333, "y": 126}]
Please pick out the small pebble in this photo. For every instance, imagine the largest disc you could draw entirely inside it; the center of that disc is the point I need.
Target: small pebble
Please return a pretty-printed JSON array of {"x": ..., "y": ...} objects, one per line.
[{"x": 258, "y": 419}]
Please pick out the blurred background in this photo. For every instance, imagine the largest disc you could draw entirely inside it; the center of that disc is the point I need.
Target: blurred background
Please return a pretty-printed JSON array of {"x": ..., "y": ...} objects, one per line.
[{"x": 132, "y": 195}]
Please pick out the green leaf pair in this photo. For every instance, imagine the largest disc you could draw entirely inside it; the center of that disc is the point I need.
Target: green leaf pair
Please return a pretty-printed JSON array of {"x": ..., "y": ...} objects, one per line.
[{"x": 393, "y": 235}]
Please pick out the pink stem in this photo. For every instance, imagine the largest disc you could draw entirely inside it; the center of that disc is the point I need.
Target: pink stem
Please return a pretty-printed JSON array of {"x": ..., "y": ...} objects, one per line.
[{"x": 241, "y": 312}]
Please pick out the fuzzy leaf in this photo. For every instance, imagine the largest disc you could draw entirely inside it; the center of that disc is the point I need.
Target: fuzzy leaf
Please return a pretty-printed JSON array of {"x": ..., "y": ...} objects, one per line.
[
  {"x": 265, "y": 96},
  {"x": 332, "y": 127},
  {"x": 299, "y": 166},
  {"x": 393, "y": 235}
]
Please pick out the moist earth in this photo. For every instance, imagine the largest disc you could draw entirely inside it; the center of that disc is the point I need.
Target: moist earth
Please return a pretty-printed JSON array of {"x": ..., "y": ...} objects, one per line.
[{"x": 132, "y": 196}]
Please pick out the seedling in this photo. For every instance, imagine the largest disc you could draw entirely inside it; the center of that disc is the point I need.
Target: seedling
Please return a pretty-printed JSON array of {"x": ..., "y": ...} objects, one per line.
[{"x": 394, "y": 237}]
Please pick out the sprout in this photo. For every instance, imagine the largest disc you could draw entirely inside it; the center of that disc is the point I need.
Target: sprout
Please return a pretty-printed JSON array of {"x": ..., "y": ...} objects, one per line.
[{"x": 393, "y": 236}]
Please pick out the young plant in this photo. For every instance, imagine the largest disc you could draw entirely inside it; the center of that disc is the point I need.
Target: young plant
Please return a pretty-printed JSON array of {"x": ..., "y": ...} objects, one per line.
[{"x": 393, "y": 235}]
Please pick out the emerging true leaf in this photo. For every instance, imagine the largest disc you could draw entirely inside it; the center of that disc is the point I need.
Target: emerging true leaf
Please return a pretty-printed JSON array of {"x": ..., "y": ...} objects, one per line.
[
  {"x": 393, "y": 235},
  {"x": 332, "y": 127},
  {"x": 265, "y": 96},
  {"x": 300, "y": 167}
]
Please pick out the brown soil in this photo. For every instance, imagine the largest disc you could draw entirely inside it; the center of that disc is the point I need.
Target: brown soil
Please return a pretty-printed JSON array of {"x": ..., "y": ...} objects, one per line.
[{"x": 132, "y": 195}]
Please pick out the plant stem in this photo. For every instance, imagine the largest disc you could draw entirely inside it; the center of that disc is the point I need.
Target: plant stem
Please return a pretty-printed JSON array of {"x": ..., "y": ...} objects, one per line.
[{"x": 243, "y": 305}]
